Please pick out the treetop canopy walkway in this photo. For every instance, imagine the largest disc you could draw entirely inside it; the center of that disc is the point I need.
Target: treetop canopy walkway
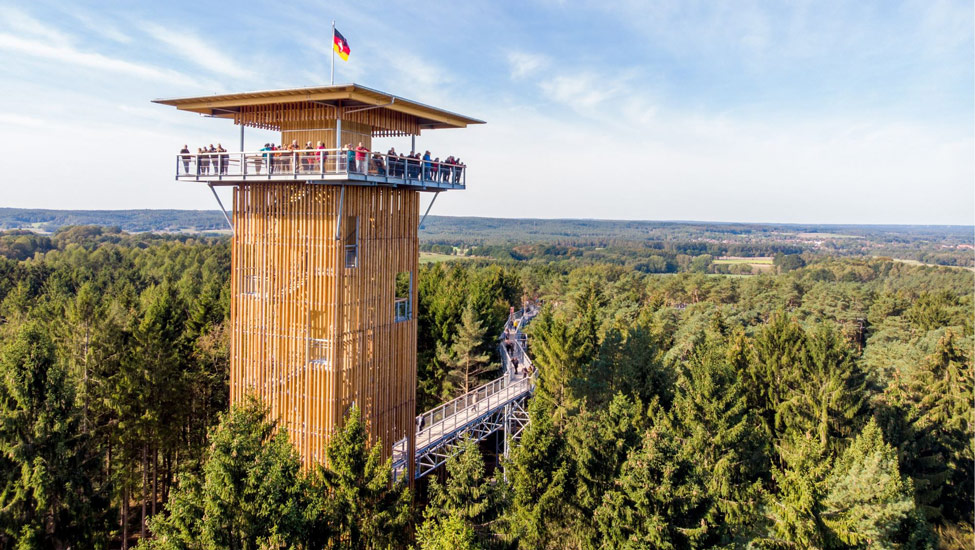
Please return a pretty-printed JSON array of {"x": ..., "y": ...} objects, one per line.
[{"x": 496, "y": 405}]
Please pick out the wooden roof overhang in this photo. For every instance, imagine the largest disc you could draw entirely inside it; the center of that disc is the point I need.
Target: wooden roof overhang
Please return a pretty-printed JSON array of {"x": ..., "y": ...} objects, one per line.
[{"x": 387, "y": 114}]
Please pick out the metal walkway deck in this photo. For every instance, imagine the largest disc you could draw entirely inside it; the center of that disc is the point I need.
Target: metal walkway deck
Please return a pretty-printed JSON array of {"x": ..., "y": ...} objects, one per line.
[{"x": 497, "y": 405}]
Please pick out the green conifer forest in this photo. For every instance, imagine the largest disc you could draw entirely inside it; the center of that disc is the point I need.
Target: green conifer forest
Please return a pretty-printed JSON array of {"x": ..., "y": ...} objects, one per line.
[{"x": 822, "y": 402}]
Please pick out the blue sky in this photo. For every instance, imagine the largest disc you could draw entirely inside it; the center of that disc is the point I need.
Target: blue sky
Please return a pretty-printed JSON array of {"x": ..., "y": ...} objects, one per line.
[{"x": 828, "y": 112}]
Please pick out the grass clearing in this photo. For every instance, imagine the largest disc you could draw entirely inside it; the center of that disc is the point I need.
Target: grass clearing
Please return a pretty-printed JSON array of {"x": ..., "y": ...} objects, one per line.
[
  {"x": 434, "y": 257},
  {"x": 729, "y": 260}
]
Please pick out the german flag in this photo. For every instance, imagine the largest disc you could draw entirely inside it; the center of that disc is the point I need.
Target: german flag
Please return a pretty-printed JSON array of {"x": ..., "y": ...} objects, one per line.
[{"x": 341, "y": 47}]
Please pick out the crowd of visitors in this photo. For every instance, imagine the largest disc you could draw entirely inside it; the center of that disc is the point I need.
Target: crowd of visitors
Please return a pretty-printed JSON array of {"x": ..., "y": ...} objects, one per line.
[
  {"x": 209, "y": 159},
  {"x": 415, "y": 166},
  {"x": 310, "y": 159}
]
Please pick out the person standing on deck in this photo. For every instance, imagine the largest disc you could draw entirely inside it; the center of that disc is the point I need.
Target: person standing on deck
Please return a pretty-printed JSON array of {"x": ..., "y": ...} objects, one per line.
[
  {"x": 293, "y": 157},
  {"x": 308, "y": 158},
  {"x": 185, "y": 151},
  {"x": 446, "y": 169},
  {"x": 214, "y": 160},
  {"x": 202, "y": 162},
  {"x": 223, "y": 158},
  {"x": 458, "y": 166},
  {"x": 349, "y": 158},
  {"x": 426, "y": 165},
  {"x": 267, "y": 158},
  {"x": 322, "y": 156},
  {"x": 360, "y": 158}
]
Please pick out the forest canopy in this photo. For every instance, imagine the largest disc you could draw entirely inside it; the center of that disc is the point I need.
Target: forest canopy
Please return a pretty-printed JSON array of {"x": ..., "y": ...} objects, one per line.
[{"x": 823, "y": 401}]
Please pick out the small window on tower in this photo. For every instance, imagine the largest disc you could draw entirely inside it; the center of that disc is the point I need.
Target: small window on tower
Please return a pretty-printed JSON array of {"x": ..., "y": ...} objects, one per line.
[
  {"x": 351, "y": 240},
  {"x": 403, "y": 306}
]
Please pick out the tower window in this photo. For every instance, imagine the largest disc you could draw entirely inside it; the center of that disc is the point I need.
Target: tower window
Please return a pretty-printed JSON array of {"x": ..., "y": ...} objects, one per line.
[
  {"x": 403, "y": 304},
  {"x": 351, "y": 241}
]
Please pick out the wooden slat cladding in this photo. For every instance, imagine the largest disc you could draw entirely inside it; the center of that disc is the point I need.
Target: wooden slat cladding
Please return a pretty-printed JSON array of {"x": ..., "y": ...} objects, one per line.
[
  {"x": 311, "y": 336},
  {"x": 382, "y": 122},
  {"x": 352, "y": 134}
]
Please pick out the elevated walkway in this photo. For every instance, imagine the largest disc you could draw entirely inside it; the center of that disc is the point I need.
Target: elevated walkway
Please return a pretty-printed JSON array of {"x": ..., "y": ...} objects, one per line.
[{"x": 501, "y": 404}]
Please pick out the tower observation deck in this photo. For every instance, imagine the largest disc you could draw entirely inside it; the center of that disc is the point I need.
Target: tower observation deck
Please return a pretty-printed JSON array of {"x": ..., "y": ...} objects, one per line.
[{"x": 324, "y": 255}]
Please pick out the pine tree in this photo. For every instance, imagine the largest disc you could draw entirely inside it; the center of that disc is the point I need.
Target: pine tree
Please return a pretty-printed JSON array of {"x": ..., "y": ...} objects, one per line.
[{"x": 464, "y": 358}]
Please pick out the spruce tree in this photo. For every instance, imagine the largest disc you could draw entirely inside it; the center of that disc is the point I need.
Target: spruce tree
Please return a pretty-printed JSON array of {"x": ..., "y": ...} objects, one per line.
[
  {"x": 449, "y": 533},
  {"x": 369, "y": 511},
  {"x": 599, "y": 443},
  {"x": 540, "y": 475},
  {"x": 252, "y": 493},
  {"x": 795, "y": 512},
  {"x": 721, "y": 438},
  {"x": 558, "y": 355},
  {"x": 828, "y": 396},
  {"x": 467, "y": 497},
  {"x": 658, "y": 501},
  {"x": 464, "y": 359},
  {"x": 46, "y": 471},
  {"x": 780, "y": 352},
  {"x": 868, "y": 503}
]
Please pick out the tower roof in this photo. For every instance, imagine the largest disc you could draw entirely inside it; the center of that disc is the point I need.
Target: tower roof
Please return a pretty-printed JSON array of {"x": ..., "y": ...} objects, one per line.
[{"x": 347, "y": 97}]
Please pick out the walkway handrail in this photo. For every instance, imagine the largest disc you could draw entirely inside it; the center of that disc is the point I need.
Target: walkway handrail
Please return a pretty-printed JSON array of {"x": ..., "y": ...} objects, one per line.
[
  {"x": 311, "y": 162},
  {"x": 438, "y": 428}
]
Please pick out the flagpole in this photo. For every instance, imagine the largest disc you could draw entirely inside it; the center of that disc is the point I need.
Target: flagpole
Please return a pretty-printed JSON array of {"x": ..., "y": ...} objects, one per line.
[{"x": 331, "y": 77}]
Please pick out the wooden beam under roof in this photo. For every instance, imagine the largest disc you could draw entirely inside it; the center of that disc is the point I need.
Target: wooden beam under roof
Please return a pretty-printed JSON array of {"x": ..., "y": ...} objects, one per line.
[{"x": 225, "y": 104}]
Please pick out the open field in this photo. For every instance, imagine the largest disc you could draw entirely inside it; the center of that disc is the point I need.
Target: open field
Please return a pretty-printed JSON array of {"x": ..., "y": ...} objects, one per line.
[
  {"x": 915, "y": 262},
  {"x": 433, "y": 257},
  {"x": 729, "y": 260},
  {"x": 758, "y": 263}
]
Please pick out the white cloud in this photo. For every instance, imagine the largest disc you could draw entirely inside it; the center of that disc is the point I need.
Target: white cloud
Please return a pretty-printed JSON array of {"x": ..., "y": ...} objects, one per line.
[
  {"x": 69, "y": 56},
  {"x": 583, "y": 90},
  {"x": 22, "y": 23},
  {"x": 17, "y": 119},
  {"x": 524, "y": 64},
  {"x": 102, "y": 28},
  {"x": 196, "y": 50}
]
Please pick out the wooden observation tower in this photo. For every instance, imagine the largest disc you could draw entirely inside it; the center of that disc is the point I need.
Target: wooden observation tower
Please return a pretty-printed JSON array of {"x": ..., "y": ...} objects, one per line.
[{"x": 325, "y": 256}]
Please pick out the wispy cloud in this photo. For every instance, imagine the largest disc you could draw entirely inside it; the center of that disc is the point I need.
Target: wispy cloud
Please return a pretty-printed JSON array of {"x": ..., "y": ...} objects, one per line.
[
  {"x": 194, "y": 49},
  {"x": 70, "y": 56},
  {"x": 523, "y": 63},
  {"x": 20, "y": 22},
  {"x": 101, "y": 27},
  {"x": 17, "y": 119}
]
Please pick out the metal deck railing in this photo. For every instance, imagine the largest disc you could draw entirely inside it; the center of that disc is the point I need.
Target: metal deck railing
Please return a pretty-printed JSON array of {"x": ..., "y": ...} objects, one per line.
[
  {"x": 496, "y": 405},
  {"x": 319, "y": 165}
]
